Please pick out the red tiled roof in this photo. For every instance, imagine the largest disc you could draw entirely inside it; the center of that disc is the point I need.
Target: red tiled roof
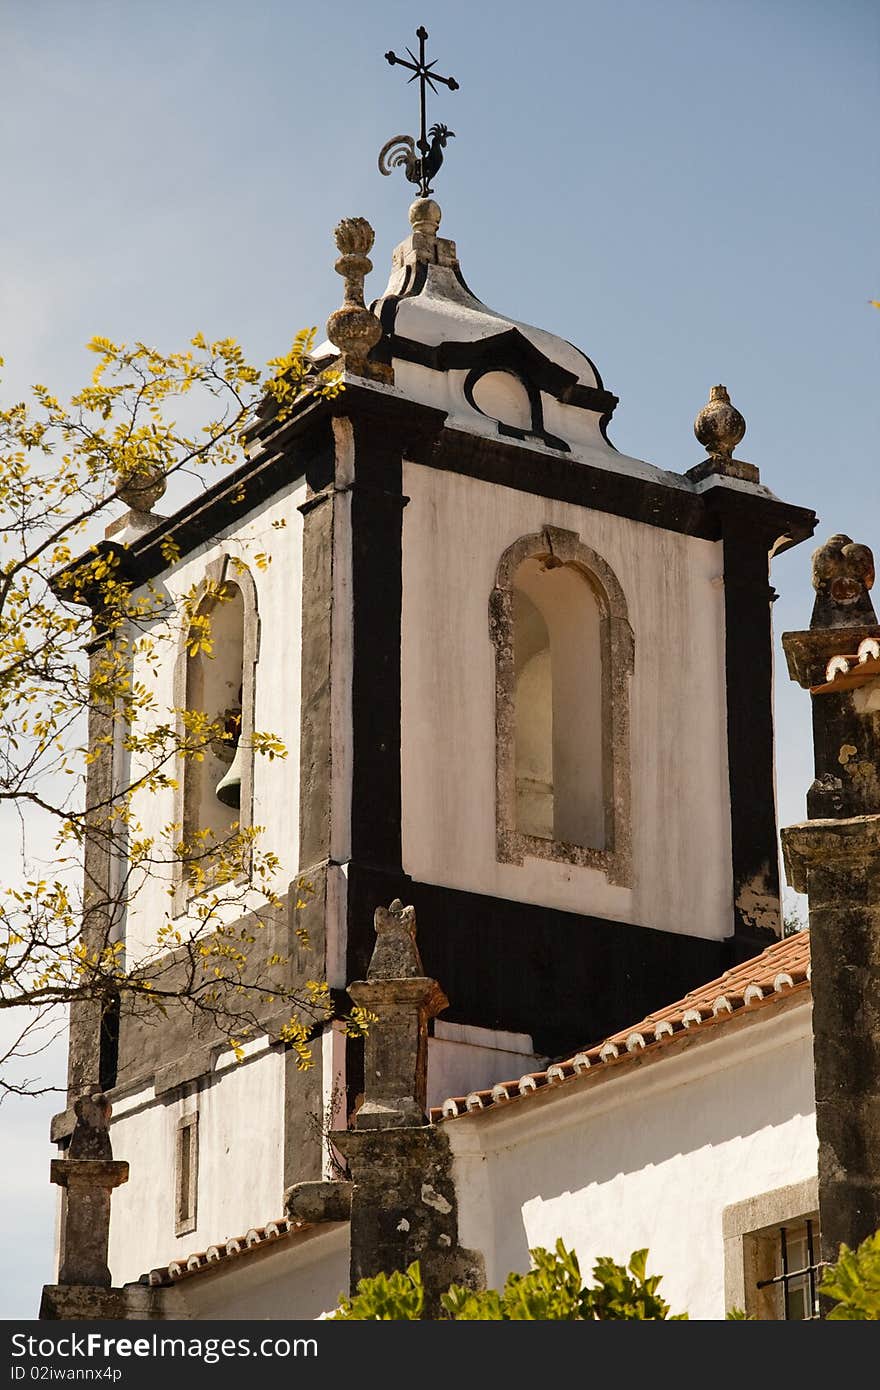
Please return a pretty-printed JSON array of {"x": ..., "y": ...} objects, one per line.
[
  {"x": 775, "y": 974},
  {"x": 783, "y": 969},
  {"x": 256, "y": 1238}
]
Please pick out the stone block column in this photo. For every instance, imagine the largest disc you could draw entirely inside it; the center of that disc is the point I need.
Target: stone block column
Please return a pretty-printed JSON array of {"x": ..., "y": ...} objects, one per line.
[
  {"x": 403, "y": 1199},
  {"x": 403, "y": 1000},
  {"x": 837, "y": 863},
  {"x": 834, "y": 857},
  {"x": 88, "y": 1176}
]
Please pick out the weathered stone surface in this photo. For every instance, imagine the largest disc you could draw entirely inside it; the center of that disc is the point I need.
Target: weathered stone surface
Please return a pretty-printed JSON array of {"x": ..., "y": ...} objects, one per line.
[
  {"x": 402, "y": 1000},
  {"x": 88, "y": 1176},
  {"x": 837, "y": 863},
  {"x": 843, "y": 573},
  {"x": 86, "y": 1224},
  {"x": 83, "y": 1303},
  {"x": 318, "y": 1201},
  {"x": 719, "y": 427},
  {"x": 395, "y": 955},
  {"x": 396, "y": 1049},
  {"x": 353, "y": 328},
  {"x": 846, "y": 718},
  {"x": 404, "y": 1208},
  {"x": 91, "y": 1134}
]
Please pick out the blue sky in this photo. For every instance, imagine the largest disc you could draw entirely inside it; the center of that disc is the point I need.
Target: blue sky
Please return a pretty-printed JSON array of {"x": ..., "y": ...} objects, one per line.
[{"x": 687, "y": 191}]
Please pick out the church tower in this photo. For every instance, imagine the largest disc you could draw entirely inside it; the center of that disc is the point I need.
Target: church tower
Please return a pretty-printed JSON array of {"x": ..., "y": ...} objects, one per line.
[{"x": 524, "y": 681}]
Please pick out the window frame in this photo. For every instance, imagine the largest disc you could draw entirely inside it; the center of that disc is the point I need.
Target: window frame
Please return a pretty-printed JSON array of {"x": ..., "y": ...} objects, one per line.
[
  {"x": 221, "y": 570},
  {"x": 617, "y": 650},
  {"x": 186, "y": 1174},
  {"x": 751, "y": 1239}
]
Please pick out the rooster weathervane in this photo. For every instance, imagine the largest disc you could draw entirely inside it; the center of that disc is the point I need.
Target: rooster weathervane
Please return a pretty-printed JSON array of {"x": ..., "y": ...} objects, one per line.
[{"x": 401, "y": 149}]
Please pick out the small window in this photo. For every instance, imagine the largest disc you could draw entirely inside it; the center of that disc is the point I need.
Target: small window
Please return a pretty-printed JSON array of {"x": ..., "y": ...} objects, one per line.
[
  {"x": 790, "y": 1293},
  {"x": 187, "y": 1175},
  {"x": 772, "y": 1266}
]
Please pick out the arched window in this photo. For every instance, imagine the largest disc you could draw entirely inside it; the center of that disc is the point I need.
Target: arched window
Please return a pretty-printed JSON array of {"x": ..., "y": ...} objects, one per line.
[
  {"x": 216, "y": 686},
  {"x": 563, "y": 659}
]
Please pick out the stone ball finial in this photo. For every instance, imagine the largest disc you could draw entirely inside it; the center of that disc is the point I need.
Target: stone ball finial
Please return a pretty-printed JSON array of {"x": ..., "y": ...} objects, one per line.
[
  {"x": 719, "y": 426},
  {"x": 424, "y": 216},
  {"x": 395, "y": 955},
  {"x": 843, "y": 575},
  {"x": 141, "y": 488},
  {"x": 353, "y": 329}
]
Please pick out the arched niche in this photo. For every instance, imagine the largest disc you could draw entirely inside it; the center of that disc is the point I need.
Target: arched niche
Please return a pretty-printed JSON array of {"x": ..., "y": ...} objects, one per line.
[
  {"x": 221, "y": 685},
  {"x": 563, "y": 662}
]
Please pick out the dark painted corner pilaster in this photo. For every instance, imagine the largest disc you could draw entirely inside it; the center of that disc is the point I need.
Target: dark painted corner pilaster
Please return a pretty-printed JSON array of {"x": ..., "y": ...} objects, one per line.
[
  {"x": 751, "y": 529},
  {"x": 385, "y": 432}
]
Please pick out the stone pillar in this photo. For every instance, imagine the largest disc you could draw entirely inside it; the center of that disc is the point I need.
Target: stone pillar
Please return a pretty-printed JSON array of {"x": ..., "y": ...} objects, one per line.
[
  {"x": 837, "y": 862},
  {"x": 403, "y": 1000},
  {"x": 403, "y": 1199},
  {"x": 88, "y": 1175},
  {"x": 834, "y": 857}
]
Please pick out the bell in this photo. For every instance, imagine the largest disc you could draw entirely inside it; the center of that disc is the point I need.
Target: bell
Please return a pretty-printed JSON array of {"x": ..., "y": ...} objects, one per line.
[{"x": 228, "y": 789}]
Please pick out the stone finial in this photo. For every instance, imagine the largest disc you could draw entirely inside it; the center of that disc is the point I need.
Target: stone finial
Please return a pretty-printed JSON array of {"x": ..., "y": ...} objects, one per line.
[
  {"x": 719, "y": 427},
  {"x": 424, "y": 217},
  {"x": 843, "y": 574},
  {"x": 395, "y": 954},
  {"x": 141, "y": 488},
  {"x": 89, "y": 1175},
  {"x": 402, "y": 999},
  {"x": 353, "y": 329}
]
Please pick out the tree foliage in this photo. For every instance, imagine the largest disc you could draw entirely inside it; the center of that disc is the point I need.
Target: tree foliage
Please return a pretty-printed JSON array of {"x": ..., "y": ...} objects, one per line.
[{"x": 145, "y": 419}]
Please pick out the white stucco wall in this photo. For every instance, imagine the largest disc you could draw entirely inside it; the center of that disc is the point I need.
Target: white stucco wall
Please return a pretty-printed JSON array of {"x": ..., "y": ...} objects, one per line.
[
  {"x": 240, "y": 1180},
  {"x": 463, "y": 1058},
  {"x": 648, "y": 1157},
  {"x": 298, "y": 1278},
  {"x": 455, "y": 530},
  {"x": 274, "y": 529}
]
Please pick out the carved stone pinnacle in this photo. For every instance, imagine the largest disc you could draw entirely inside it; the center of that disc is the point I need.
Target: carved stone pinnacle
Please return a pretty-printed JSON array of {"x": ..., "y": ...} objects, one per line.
[
  {"x": 353, "y": 329},
  {"x": 395, "y": 955},
  {"x": 843, "y": 574},
  {"x": 719, "y": 426}
]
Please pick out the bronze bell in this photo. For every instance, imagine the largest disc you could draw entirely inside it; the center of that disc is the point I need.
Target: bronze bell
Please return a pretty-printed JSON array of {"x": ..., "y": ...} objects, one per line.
[{"x": 228, "y": 789}]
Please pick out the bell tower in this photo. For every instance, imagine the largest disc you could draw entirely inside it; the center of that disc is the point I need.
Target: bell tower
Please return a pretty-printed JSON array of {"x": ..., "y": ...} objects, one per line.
[{"x": 524, "y": 682}]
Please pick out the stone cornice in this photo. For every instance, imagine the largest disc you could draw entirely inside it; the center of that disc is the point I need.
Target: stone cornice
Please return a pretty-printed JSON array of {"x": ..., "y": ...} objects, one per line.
[{"x": 829, "y": 844}]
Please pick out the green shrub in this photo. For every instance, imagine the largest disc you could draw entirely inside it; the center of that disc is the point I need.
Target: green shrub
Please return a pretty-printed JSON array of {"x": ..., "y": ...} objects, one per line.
[
  {"x": 552, "y": 1290},
  {"x": 854, "y": 1282}
]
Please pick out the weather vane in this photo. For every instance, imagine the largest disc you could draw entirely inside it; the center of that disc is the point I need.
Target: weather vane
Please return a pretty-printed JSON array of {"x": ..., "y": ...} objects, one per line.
[{"x": 401, "y": 149}]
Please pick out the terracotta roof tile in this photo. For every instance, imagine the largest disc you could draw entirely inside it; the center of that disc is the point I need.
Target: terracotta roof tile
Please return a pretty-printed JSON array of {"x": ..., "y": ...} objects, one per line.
[
  {"x": 784, "y": 967},
  {"x": 847, "y": 672},
  {"x": 765, "y": 979},
  {"x": 256, "y": 1238}
]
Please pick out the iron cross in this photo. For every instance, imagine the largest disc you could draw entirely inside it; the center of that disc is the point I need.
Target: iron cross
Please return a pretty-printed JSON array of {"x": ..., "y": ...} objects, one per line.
[{"x": 427, "y": 77}]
